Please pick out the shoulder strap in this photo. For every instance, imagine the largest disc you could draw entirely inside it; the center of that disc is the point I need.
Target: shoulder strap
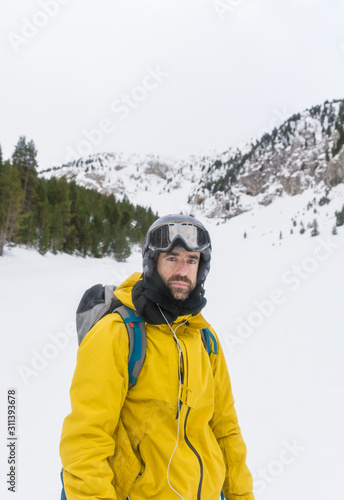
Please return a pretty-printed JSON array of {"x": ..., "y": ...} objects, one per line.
[
  {"x": 206, "y": 336},
  {"x": 137, "y": 341},
  {"x": 97, "y": 302}
]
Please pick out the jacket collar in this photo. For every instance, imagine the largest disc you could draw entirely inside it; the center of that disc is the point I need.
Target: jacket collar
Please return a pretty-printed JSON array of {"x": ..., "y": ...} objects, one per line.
[{"x": 123, "y": 293}]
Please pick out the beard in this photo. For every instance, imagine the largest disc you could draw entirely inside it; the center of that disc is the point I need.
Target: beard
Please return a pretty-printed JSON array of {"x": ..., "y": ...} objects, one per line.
[{"x": 180, "y": 293}]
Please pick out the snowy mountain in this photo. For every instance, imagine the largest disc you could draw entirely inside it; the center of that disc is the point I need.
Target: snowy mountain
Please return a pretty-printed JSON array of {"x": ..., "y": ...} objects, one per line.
[{"x": 306, "y": 151}]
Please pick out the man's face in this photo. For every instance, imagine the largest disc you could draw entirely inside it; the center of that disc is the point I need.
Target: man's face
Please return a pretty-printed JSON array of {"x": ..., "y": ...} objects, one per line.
[{"x": 178, "y": 270}]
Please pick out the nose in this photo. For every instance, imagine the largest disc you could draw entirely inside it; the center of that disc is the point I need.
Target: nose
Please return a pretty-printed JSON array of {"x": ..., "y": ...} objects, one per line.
[{"x": 182, "y": 269}]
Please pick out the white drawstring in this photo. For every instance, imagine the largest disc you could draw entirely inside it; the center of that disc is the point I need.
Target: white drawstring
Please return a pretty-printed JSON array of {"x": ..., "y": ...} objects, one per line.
[{"x": 179, "y": 393}]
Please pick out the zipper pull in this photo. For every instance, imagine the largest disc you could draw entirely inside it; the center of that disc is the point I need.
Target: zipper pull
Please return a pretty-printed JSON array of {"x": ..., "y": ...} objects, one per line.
[{"x": 180, "y": 404}]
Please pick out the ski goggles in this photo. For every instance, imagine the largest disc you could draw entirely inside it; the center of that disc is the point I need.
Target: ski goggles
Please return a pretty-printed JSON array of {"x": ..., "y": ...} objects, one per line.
[{"x": 195, "y": 238}]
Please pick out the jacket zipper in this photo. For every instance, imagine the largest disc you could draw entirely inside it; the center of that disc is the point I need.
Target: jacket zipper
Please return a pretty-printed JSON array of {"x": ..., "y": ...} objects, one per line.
[
  {"x": 182, "y": 370},
  {"x": 192, "y": 448}
]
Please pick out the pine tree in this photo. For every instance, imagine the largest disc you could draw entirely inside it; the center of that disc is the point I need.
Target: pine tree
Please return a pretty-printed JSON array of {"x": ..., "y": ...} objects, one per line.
[
  {"x": 120, "y": 247},
  {"x": 11, "y": 196},
  {"x": 79, "y": 236},
  {"x": 315, "y": 231},
  {"x": 96, "y": 235},
  {"x": 340, "y": 217},
  {"x": 43, "y": 217},
  {"x": 111, "y": 222},
  {"x": 24, "y": 160},
  {"x": 59, "y": 201}
]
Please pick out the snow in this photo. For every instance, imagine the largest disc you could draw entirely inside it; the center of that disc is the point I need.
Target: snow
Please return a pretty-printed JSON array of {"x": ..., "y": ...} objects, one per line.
[{"x": 277, "y": 306}]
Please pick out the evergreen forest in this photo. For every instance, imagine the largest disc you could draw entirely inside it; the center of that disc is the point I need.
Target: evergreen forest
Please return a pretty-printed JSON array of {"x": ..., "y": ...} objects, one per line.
[{"x": 60, "y": 216}]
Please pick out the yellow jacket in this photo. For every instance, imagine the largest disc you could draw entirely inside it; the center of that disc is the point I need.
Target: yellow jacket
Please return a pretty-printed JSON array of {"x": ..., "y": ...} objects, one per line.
[{"x": 117, "y": 443}]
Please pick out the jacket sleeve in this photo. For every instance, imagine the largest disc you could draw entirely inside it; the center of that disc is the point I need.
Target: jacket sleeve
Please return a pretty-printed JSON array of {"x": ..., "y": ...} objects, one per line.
[
  {"x": 98, "y": 391},
  {"x": 238, "y": 482}
]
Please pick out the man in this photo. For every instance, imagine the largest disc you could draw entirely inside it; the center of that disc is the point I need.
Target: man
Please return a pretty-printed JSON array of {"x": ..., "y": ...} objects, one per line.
[{"x": 174, "y": 434}]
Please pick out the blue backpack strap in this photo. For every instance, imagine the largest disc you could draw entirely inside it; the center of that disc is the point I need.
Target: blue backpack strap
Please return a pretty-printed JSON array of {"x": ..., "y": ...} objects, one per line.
[
  {"x": 206, "y": 336},
  {"x": 137, "y": 341},
  {"x": 63, "y": 493}
]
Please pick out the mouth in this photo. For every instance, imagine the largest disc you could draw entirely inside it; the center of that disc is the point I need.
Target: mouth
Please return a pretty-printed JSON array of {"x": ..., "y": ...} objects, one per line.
[{"x": 180, "y": 284}]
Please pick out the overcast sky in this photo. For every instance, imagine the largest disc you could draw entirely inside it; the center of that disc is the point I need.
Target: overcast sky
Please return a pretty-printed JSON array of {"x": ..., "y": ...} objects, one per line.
[{"x": 170, "y": 77}]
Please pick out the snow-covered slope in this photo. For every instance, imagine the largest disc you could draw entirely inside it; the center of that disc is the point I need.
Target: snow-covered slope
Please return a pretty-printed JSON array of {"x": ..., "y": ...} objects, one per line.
[
  {"x": 277, "y": 305},
  {"x": 307, "y": 151}
]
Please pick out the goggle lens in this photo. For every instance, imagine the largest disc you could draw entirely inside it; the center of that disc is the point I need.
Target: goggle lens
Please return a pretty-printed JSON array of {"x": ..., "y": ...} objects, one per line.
[{"x": 194, "y": 237}]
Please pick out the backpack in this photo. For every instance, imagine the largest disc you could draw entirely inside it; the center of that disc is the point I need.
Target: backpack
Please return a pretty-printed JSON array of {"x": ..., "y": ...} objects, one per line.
[{"x": 98, "y": 301}]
